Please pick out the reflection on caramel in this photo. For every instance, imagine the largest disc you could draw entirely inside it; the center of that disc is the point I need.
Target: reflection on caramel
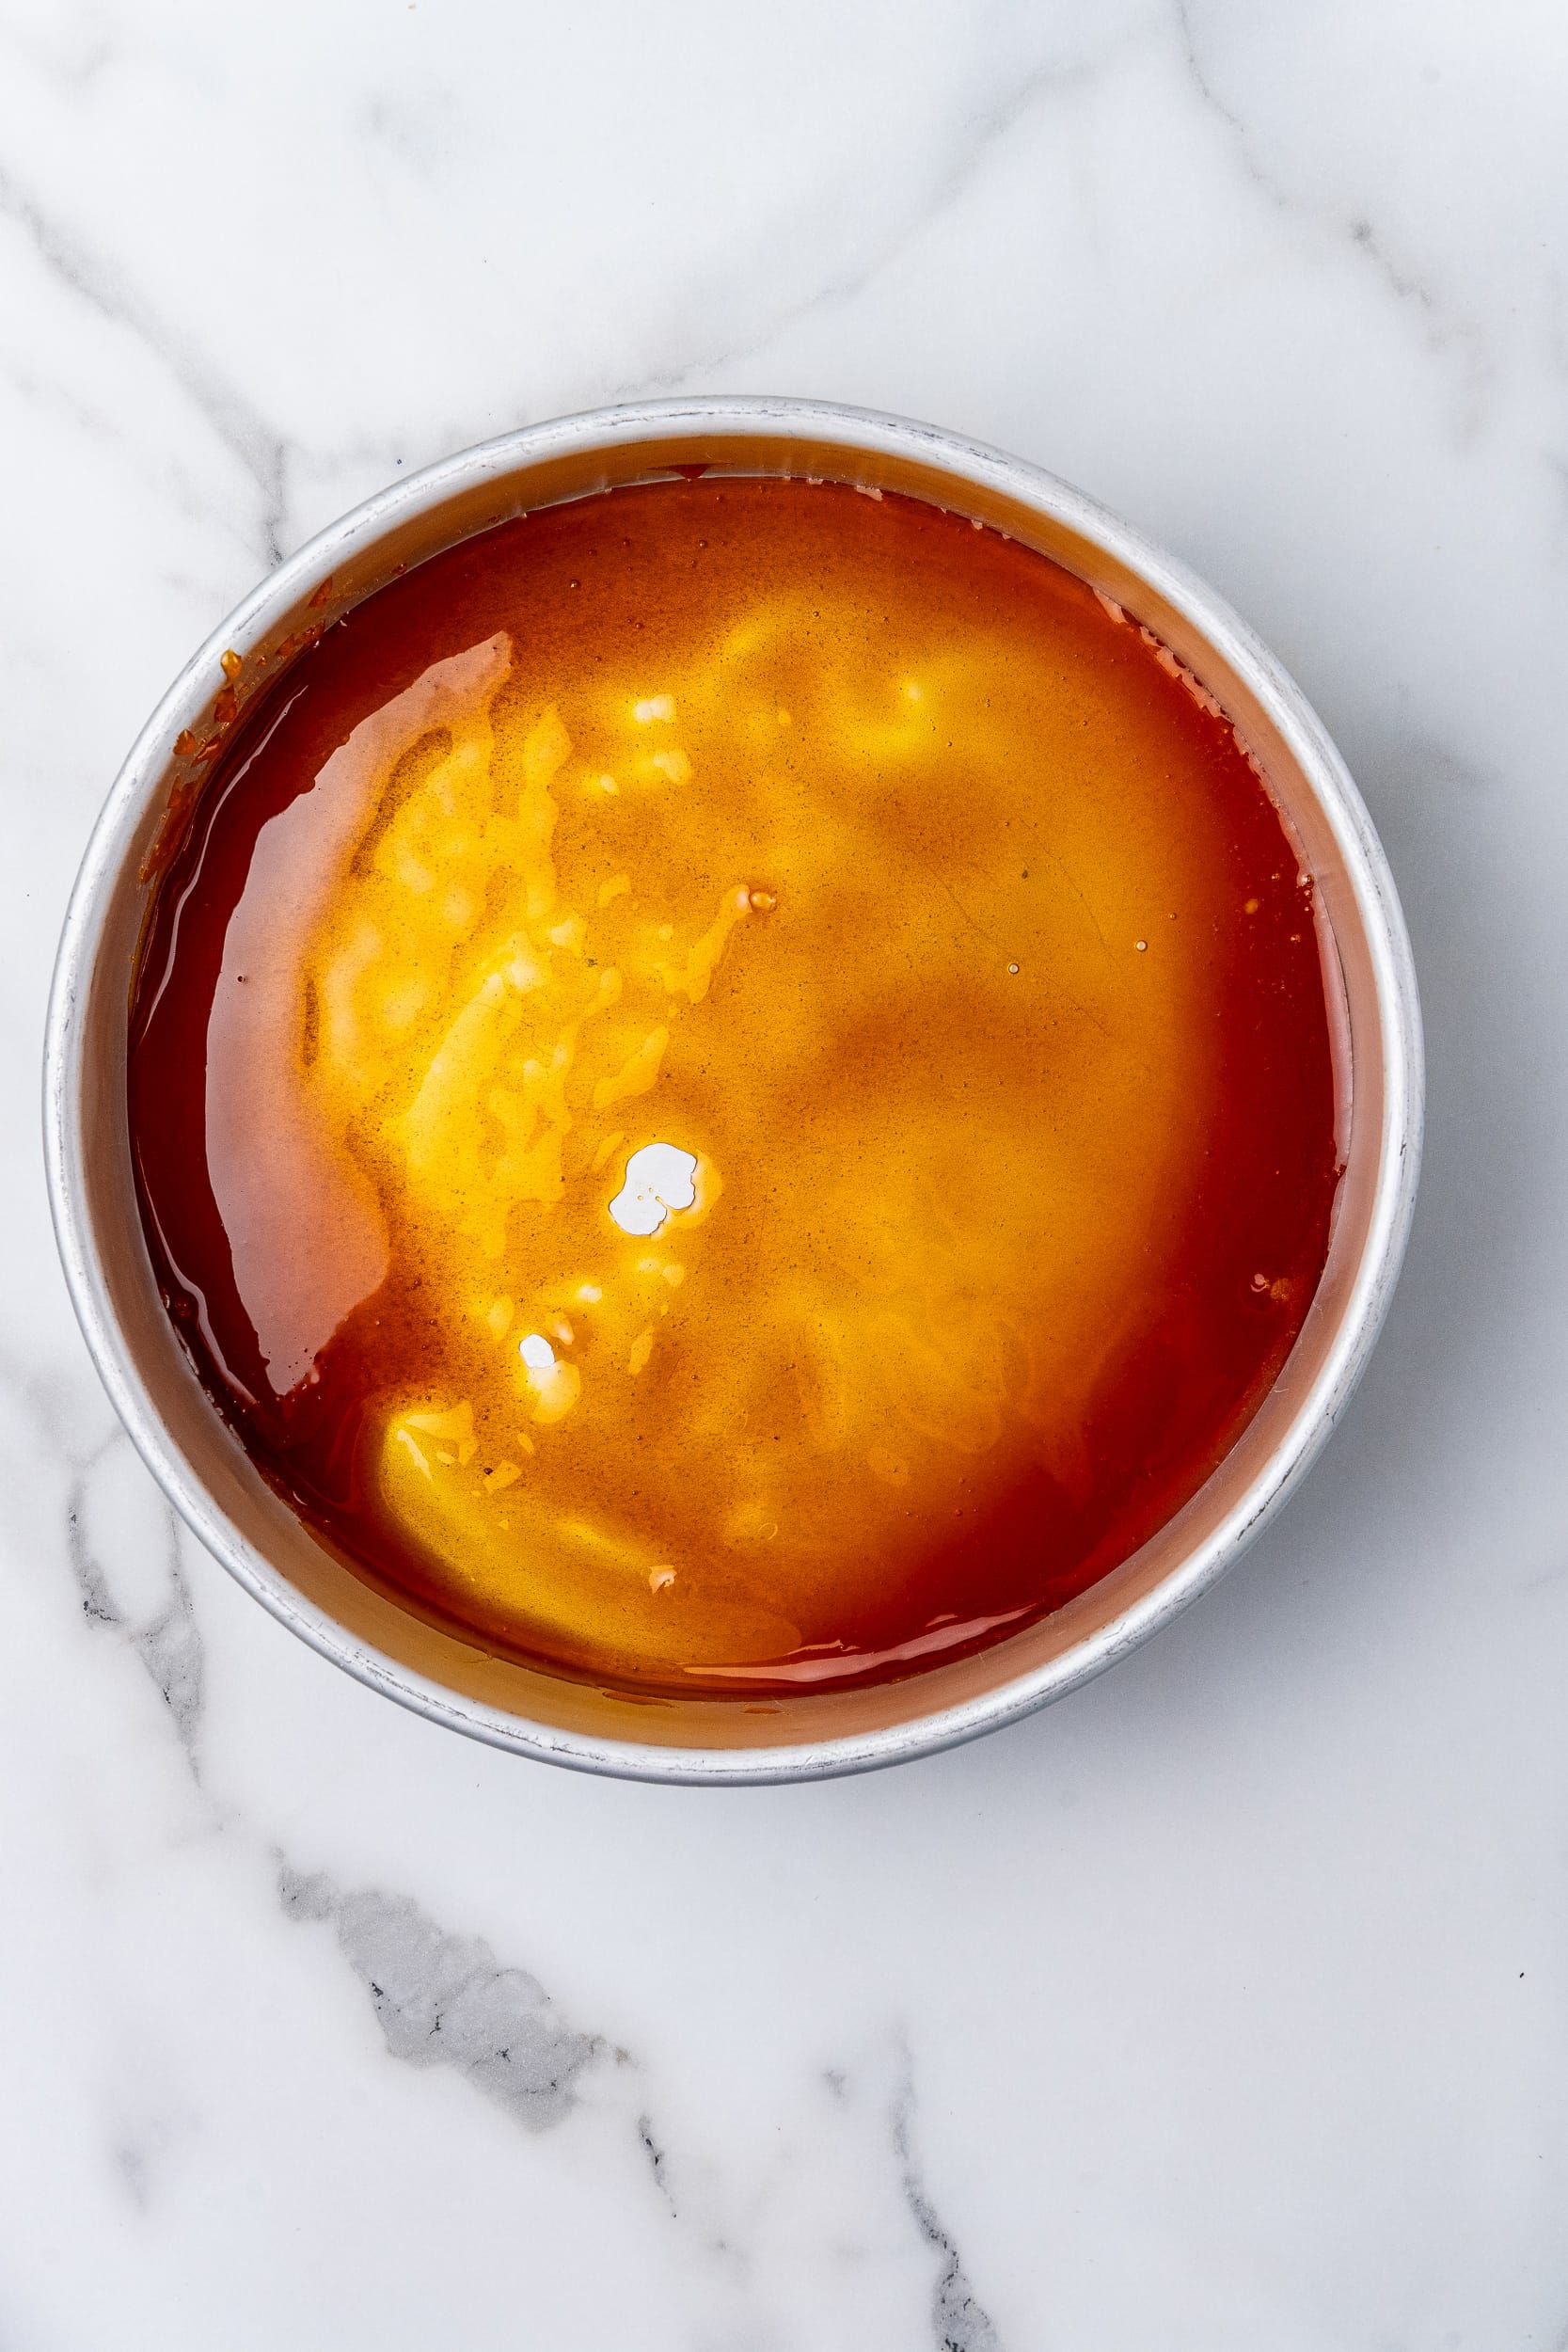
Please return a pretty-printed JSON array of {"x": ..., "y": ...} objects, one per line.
[{"x": 730, "y": 1086}]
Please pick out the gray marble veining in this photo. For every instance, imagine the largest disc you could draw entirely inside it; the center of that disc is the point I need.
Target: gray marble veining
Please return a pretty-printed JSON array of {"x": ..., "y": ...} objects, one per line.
[{"x": 445, "y": 2000}]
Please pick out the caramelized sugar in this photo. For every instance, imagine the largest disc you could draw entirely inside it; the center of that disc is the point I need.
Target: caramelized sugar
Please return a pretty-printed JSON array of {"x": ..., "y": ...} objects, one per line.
[{"x": 731, "y": 1085}]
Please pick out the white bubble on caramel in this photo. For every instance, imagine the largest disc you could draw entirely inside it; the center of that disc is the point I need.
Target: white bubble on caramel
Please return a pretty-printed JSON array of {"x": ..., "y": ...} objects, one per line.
[
  {"x": 553, "y": 1387},
  {"x": 660, "y": 1177}
]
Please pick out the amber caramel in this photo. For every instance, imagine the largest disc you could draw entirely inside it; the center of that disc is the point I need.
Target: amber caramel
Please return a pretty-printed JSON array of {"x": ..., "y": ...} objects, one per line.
[{"x": 730, "y": 1086}]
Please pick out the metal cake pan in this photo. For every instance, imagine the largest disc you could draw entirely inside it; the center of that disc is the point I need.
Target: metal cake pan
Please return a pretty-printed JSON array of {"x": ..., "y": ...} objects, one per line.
[{"x": 199, "y": 1463}]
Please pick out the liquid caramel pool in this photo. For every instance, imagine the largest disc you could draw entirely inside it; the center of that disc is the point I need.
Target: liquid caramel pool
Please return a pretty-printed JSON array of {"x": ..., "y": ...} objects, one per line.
[{"x": 730, "y": 1086}]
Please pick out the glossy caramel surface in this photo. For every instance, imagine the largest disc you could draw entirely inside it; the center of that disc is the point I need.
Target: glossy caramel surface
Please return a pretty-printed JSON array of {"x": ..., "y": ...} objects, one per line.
[{"x": 730, "y": 1086}]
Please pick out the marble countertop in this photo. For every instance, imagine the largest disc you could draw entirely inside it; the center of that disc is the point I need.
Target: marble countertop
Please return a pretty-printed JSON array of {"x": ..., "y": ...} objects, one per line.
[{"x": 1223, "y": 2007}]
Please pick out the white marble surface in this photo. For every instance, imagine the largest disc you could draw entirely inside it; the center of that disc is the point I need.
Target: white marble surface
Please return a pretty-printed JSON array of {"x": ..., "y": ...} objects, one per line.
[{"x": 1224, "y": 2008}]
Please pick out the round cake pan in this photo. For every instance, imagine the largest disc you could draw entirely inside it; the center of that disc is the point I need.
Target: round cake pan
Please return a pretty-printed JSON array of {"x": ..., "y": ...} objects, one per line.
[{"x": 197, "y": 1460}]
